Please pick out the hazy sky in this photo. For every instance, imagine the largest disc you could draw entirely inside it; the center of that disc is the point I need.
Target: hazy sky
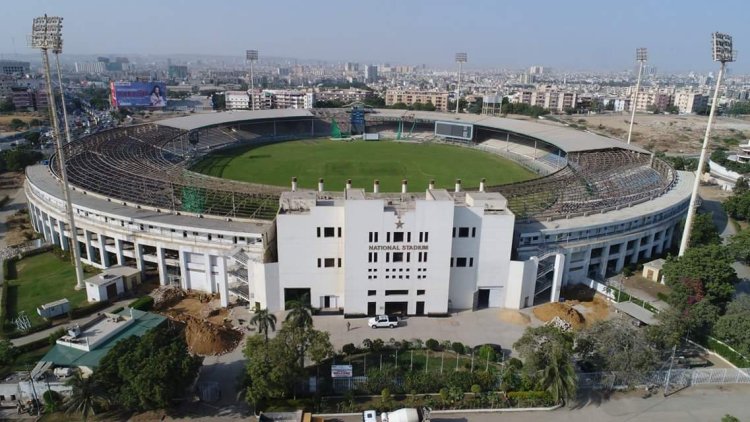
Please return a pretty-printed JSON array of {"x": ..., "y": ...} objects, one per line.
[{"x": 595, "y": 35}]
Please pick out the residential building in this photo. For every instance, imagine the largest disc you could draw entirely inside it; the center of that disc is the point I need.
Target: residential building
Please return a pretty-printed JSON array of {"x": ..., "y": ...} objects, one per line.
[
  {"x": 14, "y": 67},
  {"x": 94, "y": 67},
  {"x": 690, "y": 102},
  {"x": 237, "y": 100},
  {"x": 371, "y": 73},
  {"x": 438, "y": 98}
]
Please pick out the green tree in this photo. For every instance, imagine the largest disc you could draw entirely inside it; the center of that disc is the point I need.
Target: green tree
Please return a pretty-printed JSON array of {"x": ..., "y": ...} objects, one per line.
[
  {"x": 300, "y": 312},
  {"x": 711, "y": 265},
  {"x": 7, "y": 106},
  {"x": 704, "y": 231},
  {"x": 264, "y": 321},
  {"x": 267, "y": 379},
  {"x": 148, "y": 372},
  {"x": 733, "y": 327},
  {"x": 615, "y": 345},
  {"x": 739, "y": 246},
  {"x": 538, "y": 344},
  {"x": 87, "y": 397},
  {"x": 7, "y": 352},
  {"x": 559, "y": 377},
  {"x": 33, "y": 138},
  {"x": 738, "y": 206},
  {"x": 17, "y": 124},
  {"x": 741, "y": 186},
  {"x": 729, "y": 418}
]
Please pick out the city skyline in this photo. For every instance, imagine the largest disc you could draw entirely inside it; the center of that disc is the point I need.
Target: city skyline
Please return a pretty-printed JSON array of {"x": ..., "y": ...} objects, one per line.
[{"x": 594, "y": 36}]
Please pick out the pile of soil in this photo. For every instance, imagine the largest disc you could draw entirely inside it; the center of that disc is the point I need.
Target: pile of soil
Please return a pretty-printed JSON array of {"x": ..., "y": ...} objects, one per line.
[
  {"x": 166, "y": 296},
  {"x": 207, "y": 339},
  {"x": 549, "y": 311}
]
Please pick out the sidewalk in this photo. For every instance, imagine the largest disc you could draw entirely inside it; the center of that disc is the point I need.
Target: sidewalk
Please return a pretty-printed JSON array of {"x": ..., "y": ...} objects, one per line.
[{"x": 80, "y": 321}]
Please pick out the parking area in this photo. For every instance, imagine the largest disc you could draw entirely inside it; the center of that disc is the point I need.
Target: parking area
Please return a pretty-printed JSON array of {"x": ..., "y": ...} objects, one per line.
[{"x": 468, "y": 327}]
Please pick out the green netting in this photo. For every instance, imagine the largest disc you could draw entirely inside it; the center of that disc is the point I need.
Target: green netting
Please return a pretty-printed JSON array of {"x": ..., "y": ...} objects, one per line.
[
  {"x": 335, "y": 130},
  {"x": 193, "y": 200}
]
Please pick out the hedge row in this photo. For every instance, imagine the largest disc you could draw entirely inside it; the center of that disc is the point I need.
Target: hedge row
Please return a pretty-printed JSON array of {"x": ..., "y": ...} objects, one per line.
[
  {"x": 89, "y": 309},
  {"x": 144, "y": 303},
  {"x": 727, "y": 353}
]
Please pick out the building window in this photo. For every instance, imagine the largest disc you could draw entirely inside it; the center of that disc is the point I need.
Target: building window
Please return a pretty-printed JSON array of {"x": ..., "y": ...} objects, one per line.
[
  {"x": 329, "y": 262},
  {"x": 396, "y": 292},
  {"x": 420, "y": 292},
  {"x": 473, "y": 232},
  {"x": 426, "y": 237},
  {"x": 371, "y": 293},
  {"x": 408, "y": 237},
  {"x": 463, "y": 232},
  {"x": 451, "y": 262},
  {"x": 460, "y": 262},
  {"x": 328, "y": 232},
  {"x": 398, "y": 257},
  {"x": 408, "y": 257},
  {"x": 471, "y": 262},
  {"x": 388, "y": 237},
  {"x": 454, "y": 232},
  {"x": 319, "y": 263},
  {"x": 339, "y": 262},
  {"x": 318, "y": 230},
  {"x": 387, "y": 257},
  {"x": 370, "y": 256},
  {"x": 398, "y": 237},
  {"x": 339, "y": 232},
  {"x": 425, "y": 257}
]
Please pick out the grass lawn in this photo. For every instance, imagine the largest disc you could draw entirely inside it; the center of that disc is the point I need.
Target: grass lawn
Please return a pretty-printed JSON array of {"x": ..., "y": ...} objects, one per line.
[
  {"x": 363, "y": 162},
  {"x": 42, "y": 279}
]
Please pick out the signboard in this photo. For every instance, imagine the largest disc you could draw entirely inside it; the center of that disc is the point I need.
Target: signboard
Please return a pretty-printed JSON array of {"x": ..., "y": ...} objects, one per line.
[
  {"x": 454, "y": 130},
  {"x": 138, "y": 94},
  {"x": 341, "y": 371}
]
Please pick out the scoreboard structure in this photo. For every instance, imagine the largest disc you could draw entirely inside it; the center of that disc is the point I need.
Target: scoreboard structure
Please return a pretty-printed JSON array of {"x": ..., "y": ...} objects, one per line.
[{"x": 454, "y": 130}]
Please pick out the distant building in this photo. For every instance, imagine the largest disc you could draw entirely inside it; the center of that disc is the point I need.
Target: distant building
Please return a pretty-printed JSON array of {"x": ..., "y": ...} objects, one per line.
[
  {"x": 344, "y": 95},
  {"x": 351, "y": 67},
  {"x": 6, "y": 86},
  {"x": 438, "y": 99},
  {"x": 548, "y": 98},
  {"x": 177, "y": 72},
  {"x": 371, "y": 74},
  {"x": 14, "y": 67},
  {"x": 690, "y": 102},
  {"x": 95, "y": 67},
  {"x": 536, "y": 70},
  {"x": 237, "y": 100},
  {"x": 23, "y": 99},
  {"x": 492, "y": 105},
  {"x": 622, "y": 104}
]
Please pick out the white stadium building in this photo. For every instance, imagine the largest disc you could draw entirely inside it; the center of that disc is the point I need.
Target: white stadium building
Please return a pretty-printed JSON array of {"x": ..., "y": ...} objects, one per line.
[{"x": 597, "y": 206}]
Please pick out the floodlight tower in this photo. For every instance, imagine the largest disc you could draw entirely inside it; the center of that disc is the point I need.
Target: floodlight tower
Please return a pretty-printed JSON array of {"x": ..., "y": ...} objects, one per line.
[
  {"x": 46, "y": 34},
  {"x": 460, "y": 59},
  {"x": 640, "y": 56},
  {"x": 251, "y": 56},
  {"x": 723, "y": 53}
]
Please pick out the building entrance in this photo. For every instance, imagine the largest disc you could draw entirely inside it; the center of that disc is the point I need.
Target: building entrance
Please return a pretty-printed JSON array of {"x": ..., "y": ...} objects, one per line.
[{"x": 396, "y": 308}]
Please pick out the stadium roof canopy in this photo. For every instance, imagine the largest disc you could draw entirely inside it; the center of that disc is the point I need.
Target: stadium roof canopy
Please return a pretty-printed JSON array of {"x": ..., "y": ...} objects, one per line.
[{"x": 565, "y": 138}]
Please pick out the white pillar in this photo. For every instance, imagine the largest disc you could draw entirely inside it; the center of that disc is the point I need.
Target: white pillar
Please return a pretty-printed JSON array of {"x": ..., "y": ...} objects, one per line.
[
  {"x": 184, "y": 273},
  {"x": 209, "y": 273},
  {"x": 221, "y": 280},
  {"x": 118, "y": 248},
  {"x": 557, "y": 277},
  {"x": 636, "y": 251},
  {"x": 603, "y": 261},
  {"x": 45, "y": 228},
  {"x": 87, "y": 239},
  {"x": 63, "y": 242},
  {"x": 162, "y": 265},
  {"x": 53, "y": 235},
  {"x": 103, "y": 255},
  {"x": 138, "y": 253}
]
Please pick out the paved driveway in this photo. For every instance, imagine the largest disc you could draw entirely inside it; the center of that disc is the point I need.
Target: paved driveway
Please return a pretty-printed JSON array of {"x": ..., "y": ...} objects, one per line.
[{"x": 472, "y": 328}]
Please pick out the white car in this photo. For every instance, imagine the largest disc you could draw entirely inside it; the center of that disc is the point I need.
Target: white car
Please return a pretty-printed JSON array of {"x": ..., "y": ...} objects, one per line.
[{"x": 383, "y": 321}]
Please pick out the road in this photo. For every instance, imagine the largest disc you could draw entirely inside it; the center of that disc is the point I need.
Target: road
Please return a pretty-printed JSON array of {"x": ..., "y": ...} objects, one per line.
[{"x": 699, "y": 404}]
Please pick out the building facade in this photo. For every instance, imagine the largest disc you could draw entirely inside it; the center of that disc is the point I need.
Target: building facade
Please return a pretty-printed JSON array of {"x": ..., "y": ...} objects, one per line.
[
  {"x": 438, "y": 99},
  {"x": 14, "y": 67}
]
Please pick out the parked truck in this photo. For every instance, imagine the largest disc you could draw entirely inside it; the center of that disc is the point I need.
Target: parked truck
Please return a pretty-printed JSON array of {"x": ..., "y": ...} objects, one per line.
[{"x": 420, "y": 414}]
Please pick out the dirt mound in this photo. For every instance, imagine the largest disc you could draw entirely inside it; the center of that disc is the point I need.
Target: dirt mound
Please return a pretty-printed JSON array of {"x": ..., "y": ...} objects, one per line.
[
  {"x": 514, "y": 317},
  {"x": 205, "y": 338},
  {"x": 166, "y": 296},
  {"x": 549, "y": 311}
]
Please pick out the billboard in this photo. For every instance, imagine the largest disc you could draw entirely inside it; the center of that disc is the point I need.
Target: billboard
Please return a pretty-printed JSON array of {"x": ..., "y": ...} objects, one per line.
[
  {"x": 341, "y": 371},
  {"x": 138, "y": 94}
]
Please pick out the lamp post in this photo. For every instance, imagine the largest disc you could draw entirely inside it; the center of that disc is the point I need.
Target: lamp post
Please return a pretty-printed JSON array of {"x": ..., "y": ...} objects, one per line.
[
  {"x": 251, "y": 56},
  {"x": 46, "y": 34},
  {"x": 640, "y": 56},
  {"x": 723, "y": 53},
  {"x": 460, "y": 59}
]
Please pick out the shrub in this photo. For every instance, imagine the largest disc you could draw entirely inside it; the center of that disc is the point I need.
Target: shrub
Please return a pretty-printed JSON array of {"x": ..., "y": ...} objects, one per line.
[
  {"x": 54, "y": 336},
  {"x": 487, "y": 352},
  {"x": 52, "y": 401},
  {"x": 432, "y": 344},
  {"x": 7, "y": 352},
  {"x": 89, "y": 309},
  {"x": 385, "y": 394},
  {"x": 458, "y": 348},
  {"x": 627, "y": 271},
  {"x": 349, "y": 349},
  {"x": 476, "y": 389},
  {"x": 144, "y": 303},
  {"x": 531, "y": 398},
  {"x": 515, "y": 363}
]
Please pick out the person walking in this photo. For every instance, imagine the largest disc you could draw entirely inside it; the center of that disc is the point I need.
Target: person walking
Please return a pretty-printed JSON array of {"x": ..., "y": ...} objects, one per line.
[{"x": 348, "y": 325}]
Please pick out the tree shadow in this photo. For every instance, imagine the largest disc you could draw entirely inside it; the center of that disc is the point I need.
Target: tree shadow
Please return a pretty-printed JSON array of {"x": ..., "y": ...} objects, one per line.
[{"x": 589, "y": 397}]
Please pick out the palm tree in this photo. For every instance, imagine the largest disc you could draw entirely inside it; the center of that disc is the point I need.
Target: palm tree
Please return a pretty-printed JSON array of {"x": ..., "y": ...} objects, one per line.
[
  {"x": 300, "y": 312},
  {"x": 559, "y": 377},
  {"x": 86, "y": 397},
  {"x": 264, "y": 321}
]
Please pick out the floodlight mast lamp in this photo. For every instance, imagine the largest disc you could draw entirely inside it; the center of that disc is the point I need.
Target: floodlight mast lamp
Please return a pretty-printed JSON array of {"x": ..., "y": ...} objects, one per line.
[
  {"x": 46, "y": 35},
  {"x": 460, "y": 59},
  {"x": 640, "y": 56},
  {"x": 723, "y": 53},
  {"x": 251, "y": 56}
]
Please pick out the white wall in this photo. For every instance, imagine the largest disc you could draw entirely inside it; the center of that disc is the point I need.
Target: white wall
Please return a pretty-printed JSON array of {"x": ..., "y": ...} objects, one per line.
[{"x": 521, "y": 283}]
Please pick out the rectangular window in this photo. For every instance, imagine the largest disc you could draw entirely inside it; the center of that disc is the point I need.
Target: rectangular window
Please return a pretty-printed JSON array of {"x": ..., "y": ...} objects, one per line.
[
  {"x": 396, "y": 292},
  {"x": 398, "y": 257},
  {"x": 387, "y": 257},
  {"x": 318, "y": 231},
  {"x": 369, "y": 257},
  {"x": 339, "y": 262},
  {"x": 408, "y": 257},
  {"x": 454, "y": 232},
  {"x": 398, "y": 237},
  {"x": 328, "y": 232},
  {"x": 451, "y": 262},
  {"x": 408, "y": 237},
  {"x": 425, "y": 257},
  {"x": 460, "y": 262},
  {"x": 420, "y": 292},
  {"x": 473, "y": 232},
  {"x": 426, "y": 236},
  {"x": 421, "y": 237},
  {"x": 339, "y": 231},
  {"x": 319, "y": 263},
  {"x": 463, "y": 232},
  {"x": 388, "y": 237},
  {"x": 371, "y": 293},
  {"x": 471, "y": 262},
  {"x": 329, "y": 262},
  {"x": 369, "y": 237}
]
